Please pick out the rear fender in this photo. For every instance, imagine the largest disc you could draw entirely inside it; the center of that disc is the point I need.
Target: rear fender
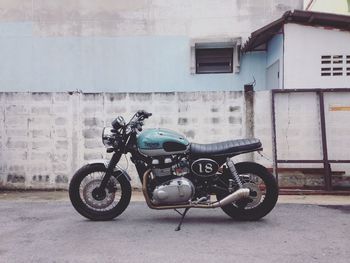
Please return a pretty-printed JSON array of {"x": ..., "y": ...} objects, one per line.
[{"x": 116, "y": 169}]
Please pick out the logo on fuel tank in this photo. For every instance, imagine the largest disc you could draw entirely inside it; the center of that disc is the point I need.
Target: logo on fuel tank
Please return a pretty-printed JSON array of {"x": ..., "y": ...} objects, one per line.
[
  {"x": 204, "y": 167},
  {"x": 152, "y": 145}
]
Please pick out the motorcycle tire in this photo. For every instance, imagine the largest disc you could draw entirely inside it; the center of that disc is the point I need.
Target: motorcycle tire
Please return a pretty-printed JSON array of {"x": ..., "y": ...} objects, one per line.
[
  {"x": 83, "y": 208},
  {"x": 267, "y": 204}
]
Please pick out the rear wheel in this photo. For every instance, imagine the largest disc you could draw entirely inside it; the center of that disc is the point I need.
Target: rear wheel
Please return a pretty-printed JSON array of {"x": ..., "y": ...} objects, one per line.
[
  {"x": 94, "y": 204},
  {"x": 264, "y": 192}
]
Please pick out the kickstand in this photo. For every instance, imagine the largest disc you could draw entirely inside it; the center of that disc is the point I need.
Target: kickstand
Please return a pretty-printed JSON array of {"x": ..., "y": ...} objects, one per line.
[{"x": 182, "y": 218}]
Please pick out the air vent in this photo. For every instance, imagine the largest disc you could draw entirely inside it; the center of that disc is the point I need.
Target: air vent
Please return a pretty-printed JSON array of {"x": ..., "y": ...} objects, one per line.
[
  {"x": 325, "y": 71},
  {"x": 326, "y": 59},
  {"x": 335, "y": 65},
  {"x": 338, "y": 59}
]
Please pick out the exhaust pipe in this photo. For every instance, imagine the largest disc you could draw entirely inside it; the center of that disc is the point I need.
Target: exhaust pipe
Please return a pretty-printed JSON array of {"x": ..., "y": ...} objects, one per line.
[{"x": 239, "y": 194}]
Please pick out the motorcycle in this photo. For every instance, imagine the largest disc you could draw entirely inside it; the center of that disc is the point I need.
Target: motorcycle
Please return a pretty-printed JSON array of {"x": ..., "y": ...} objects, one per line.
[{"x": 175, "y": 174}]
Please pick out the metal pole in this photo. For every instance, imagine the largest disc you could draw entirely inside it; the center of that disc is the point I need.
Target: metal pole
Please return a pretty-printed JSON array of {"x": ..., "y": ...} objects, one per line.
[
  {"x": 326, "y": 165},
  {"x": 274, "y": 141}
]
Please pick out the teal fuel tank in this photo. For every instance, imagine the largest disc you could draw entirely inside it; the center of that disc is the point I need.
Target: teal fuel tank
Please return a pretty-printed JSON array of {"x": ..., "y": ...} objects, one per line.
[{"x": 156, "y": 142}]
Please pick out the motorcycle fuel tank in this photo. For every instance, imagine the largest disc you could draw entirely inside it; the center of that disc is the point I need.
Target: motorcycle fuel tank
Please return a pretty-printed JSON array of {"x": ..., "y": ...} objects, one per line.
[{"x": 156, "y": 142}]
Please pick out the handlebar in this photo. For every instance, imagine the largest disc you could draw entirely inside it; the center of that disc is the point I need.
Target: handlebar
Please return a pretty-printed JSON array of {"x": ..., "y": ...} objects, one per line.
[
  {"x": 144, "y": 114},
  {"x": 136, "y": 121}
]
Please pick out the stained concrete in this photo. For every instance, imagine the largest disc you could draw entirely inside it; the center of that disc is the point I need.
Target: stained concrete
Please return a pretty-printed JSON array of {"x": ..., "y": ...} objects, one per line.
[{"x": 51, "y": 231}]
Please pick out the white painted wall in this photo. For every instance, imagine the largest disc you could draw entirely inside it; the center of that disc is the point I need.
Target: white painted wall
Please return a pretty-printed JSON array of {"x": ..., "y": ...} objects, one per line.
[{"x": 303, "y": 48}]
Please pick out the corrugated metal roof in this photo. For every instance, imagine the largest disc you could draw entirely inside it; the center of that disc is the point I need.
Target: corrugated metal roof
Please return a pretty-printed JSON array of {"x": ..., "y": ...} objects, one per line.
[{"x": 262, "y": 35}]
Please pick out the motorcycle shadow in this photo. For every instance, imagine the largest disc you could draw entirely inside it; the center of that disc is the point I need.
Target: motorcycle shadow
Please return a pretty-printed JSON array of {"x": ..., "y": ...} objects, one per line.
[{"x": 198, "y": 219}]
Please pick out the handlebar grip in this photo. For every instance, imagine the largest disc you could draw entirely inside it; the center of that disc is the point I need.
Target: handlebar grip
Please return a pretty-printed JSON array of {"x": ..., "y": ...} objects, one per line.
[{"x": 144, "y": 113}]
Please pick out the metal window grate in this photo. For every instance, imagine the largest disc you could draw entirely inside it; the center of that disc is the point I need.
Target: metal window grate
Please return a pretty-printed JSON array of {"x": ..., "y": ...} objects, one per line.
[{"x": 214, "y": 60}]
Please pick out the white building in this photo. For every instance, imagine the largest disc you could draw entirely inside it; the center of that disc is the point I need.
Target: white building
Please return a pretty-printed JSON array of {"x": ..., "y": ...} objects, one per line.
[
  {"x": 308, "y": 60},
  {"x": 305, "y": 50}
]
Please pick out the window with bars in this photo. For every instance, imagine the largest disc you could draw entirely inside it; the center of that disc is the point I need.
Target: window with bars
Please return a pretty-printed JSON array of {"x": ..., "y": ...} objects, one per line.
[
  {"x": 335, "y": 65},
  {"x": 214, "y": 60}
]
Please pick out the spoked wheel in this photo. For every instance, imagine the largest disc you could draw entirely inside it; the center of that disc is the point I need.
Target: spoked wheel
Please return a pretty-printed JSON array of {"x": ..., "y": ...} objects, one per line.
[
  {"x": 263, "y": 193},
  {"x": 93, "y": 203}
]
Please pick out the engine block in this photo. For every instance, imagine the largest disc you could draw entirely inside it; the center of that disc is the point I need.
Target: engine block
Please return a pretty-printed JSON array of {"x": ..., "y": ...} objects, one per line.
[{"x": 176, "y": 191}]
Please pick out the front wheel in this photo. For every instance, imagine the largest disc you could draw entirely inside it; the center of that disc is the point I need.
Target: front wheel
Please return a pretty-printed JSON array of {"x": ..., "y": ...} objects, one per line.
[
  {"x": 263, "y": 186},
  {"x": 89, "y": 202}
]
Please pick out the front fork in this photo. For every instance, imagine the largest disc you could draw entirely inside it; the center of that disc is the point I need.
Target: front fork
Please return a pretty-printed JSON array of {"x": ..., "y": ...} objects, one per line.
[{"x": 110, "y": 169}]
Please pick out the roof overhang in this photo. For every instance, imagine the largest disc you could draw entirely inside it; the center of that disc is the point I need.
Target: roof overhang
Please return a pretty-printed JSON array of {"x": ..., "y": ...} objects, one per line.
[{"x": 259, "y": 37}]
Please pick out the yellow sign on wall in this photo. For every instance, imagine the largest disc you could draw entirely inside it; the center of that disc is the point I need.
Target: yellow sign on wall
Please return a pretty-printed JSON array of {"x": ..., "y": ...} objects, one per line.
[{"x": 339, "y": 108}]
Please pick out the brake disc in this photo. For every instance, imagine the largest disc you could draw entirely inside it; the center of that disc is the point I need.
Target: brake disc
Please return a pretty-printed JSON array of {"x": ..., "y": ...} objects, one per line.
[
  {"x": 254, "y": 200},
  {"x": 91, "y": 201}
]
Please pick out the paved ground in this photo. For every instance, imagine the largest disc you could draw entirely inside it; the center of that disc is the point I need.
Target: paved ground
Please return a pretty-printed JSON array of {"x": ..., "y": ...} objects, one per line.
[
  {"x": 40, "y": 230},
  {"x": 137, "y": 196}
]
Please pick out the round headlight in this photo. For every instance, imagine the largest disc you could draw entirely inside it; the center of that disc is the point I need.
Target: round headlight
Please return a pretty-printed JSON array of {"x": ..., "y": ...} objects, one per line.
[
  {"x": 107, "y": 136},
  {"x": 118, "y": 122}
]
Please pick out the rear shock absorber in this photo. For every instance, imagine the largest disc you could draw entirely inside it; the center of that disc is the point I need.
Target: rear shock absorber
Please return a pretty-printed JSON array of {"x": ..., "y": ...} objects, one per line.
[{"x": 232, "y": 168}]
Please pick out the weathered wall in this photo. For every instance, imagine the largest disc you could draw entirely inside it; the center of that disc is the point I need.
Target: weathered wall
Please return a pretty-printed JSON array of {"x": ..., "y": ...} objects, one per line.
[
  {"x": 193, "y": 18},
  {"x": 122, "y": 46},
  {"x": 45, "y": 137}
]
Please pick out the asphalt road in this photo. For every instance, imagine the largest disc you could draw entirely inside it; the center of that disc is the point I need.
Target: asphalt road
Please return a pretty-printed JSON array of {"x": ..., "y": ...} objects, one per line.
[{"x": 51, "y": 231}]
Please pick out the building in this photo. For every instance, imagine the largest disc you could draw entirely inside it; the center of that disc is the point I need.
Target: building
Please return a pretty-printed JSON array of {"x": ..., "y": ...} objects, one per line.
[
  {"x": 304, "y": 50},
  {"x": 308, "y": 61},
  {"x": 69, "y": 68}
]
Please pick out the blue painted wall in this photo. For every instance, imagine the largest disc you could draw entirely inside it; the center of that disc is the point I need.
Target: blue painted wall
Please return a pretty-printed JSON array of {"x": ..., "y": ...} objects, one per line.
[
  {"x": 111, "y": 64},
  {"x": 274, "y": 49}
]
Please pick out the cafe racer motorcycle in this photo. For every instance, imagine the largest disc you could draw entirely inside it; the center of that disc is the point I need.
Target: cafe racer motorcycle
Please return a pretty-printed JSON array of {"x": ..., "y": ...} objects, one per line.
[{"x": 174, "y": 174}]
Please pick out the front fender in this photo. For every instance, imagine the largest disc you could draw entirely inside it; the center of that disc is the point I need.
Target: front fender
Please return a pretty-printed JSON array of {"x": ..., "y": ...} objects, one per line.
[{"x": 116, "y": 169}]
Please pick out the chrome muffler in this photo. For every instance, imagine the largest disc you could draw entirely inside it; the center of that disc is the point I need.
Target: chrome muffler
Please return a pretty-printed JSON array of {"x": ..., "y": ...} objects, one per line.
[{"x": 239, "y": 194}]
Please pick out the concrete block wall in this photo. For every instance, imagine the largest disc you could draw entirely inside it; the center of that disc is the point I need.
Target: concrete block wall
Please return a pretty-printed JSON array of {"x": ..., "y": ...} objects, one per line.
[
  {"x": 36, "y": 139},
  {"x": 45, "y": 137}
]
